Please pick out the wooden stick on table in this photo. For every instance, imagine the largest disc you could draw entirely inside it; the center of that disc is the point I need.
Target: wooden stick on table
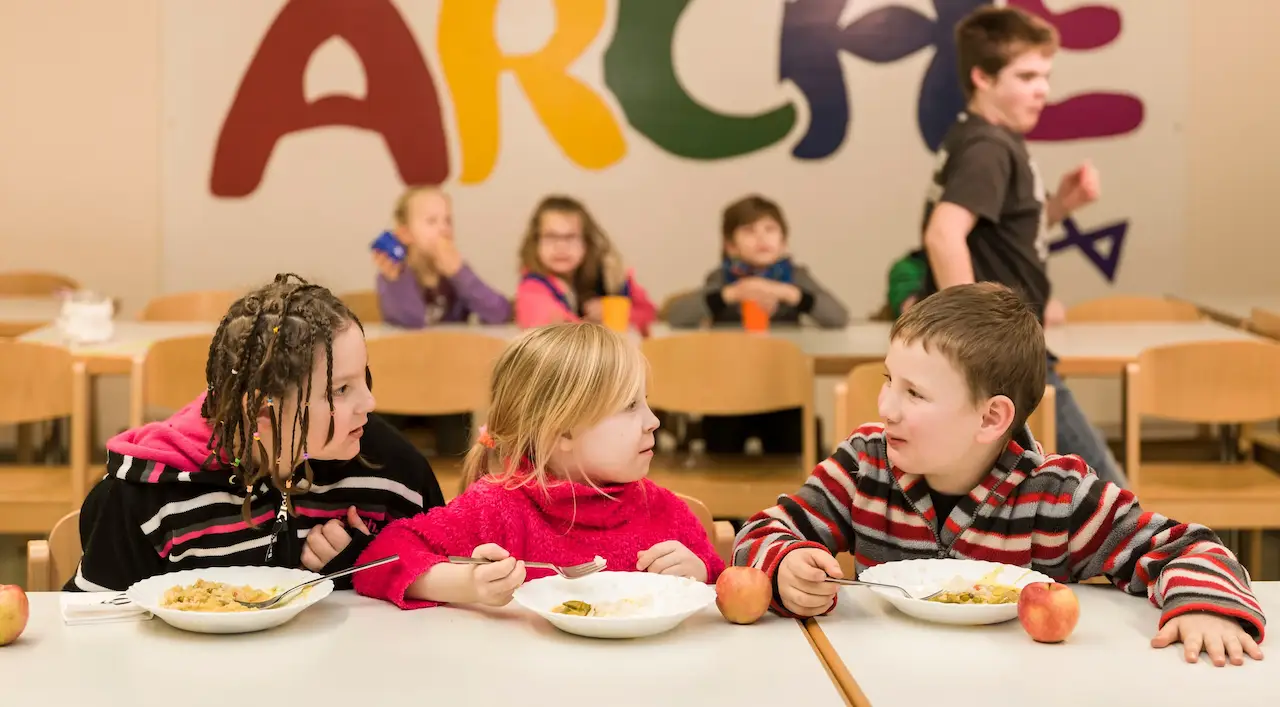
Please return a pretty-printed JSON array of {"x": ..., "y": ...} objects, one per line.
[{"x": 836, "y": 668}]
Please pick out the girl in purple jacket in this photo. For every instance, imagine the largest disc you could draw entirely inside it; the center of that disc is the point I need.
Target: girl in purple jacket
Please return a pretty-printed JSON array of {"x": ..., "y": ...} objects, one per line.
[{"x": 432, "y": 285}]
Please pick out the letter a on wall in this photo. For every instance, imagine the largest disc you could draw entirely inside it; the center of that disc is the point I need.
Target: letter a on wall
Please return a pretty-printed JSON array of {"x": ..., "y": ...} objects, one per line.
[{"x": 401, "y": 102}]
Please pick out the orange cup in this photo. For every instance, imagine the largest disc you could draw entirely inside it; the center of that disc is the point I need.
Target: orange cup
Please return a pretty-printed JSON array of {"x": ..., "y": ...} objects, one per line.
[
  {"x": 616, "y": 312},
  {"x": 754, "y": 318}
]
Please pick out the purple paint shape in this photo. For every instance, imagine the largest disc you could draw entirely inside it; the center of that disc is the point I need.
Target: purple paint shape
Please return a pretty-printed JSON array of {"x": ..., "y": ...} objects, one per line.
[
  {"x": 1091, "y": 115},
  {"x": 1088, "y": 242},
  {"x": 1083, "y": 28}
]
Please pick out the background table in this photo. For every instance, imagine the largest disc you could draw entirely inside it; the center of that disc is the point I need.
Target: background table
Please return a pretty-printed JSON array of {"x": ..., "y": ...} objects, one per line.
[
  {"x": 1108, "y": 660},
  {"x": 351, "y": 650},
  {"x": 19, "y": 315}
]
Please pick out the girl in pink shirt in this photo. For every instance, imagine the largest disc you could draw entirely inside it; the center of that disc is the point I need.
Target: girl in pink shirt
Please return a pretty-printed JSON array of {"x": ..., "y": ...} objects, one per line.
[
  {"x": 558, "y": 475},
  {"x": 567, "y": 265}
]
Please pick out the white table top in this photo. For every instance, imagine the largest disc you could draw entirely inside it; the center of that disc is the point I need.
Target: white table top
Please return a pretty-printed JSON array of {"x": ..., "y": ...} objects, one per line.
[
  {"x": 860, "y": 340},
  {"x": 358, "y": 651},
  {"x": 26, "y": 310},
  {"x": 1237, "y": 306},
  {"x": 1126, "y": 341},
  {"x": 898, "y": 660}
]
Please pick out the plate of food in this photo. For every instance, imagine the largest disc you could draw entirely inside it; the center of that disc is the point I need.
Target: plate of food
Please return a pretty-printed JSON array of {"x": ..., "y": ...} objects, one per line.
[
  {"x": 206, "y": 600},
  {"x": 616, "y": 604},
  {"x": 973, "y": 592}
]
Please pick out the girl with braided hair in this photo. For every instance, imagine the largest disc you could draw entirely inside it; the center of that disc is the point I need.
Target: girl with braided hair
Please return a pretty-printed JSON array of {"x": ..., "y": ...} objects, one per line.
[{"x": 280, "y": 462}]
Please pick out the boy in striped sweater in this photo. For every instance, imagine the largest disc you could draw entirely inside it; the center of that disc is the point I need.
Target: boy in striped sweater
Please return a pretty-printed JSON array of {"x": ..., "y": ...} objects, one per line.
[{"x": 953, "y": 472}]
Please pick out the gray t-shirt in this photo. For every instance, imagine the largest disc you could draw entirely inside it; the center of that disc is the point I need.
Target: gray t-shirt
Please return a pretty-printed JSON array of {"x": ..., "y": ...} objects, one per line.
[{"x": 987, "y": 170}]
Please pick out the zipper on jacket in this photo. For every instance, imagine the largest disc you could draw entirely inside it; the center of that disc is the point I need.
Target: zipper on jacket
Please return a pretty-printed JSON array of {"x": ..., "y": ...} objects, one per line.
[
  {"x": 943, "y": 552},
  {"x": 281, "y": 523}
]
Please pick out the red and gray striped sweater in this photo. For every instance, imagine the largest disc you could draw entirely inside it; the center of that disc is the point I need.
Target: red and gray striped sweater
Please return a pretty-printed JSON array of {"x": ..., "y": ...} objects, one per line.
[{"x": 1052, "y": 514}]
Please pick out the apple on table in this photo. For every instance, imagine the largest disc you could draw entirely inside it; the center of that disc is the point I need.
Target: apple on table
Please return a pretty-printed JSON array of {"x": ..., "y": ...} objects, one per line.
[
  {"x": 14, "y": 610},
  {"x": 1048, "y": 611},
  {"x": 743, "y": 594}
]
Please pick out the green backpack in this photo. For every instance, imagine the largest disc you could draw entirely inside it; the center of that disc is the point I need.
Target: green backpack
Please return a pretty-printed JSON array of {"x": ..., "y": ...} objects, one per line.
[{"x": 906, "y": 277}]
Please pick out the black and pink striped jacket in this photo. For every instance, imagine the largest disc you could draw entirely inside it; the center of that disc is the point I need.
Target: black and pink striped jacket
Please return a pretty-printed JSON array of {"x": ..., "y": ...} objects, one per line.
[{"x": 159, "y": 510}]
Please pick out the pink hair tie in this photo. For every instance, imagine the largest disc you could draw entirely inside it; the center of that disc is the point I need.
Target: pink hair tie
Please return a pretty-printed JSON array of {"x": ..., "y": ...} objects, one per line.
[{"x": 485, "y": 439}]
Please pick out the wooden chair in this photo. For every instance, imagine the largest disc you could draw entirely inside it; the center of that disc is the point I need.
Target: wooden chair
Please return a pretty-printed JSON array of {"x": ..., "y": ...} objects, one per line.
[
  {"x": 364, "y": 304},
  {"x": 433, "y": 372},
  {"x": 34, "y": 284},
  {"x": 720, "y": 533},
  {"x": 170, "y": 375},
  {"x": 198, "y": 306},
  {"x": 1217, "y": 382},
  {"x": 1128, "y": 309},
  {"x": 50, "y": 563},
  {"x": 856, "y": 400},
  {"x": 39, "y": 383},
  {"x": 732, "y": 373}
]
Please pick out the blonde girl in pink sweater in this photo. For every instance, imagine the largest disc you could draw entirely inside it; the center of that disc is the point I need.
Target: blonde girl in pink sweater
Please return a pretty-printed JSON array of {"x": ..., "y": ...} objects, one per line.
[{"x": 558, "y": 475}]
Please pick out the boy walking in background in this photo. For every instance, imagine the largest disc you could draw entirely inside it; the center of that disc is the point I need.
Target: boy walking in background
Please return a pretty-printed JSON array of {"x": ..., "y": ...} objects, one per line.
[{"x": 988, "y": 214}]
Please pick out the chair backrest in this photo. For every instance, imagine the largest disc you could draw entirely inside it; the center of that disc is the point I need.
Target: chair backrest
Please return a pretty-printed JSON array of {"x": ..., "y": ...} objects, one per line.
[
  {"x": 731, "y": 373},
  {"x": 34, "y": 284},
  {"x": 433, "y": 372},
  {"x": 1207, "y": 382},
  {"x": 38, "y": 383},
  {"x": 1120, "y": 309},
  {"x": 169, "y": 376},
  {"x": 1044, "y": 421},
  {"x": 857, "y": 402},
  {"x": 702, "y": 513},
  {"x": 64, "y": 551},
  {"x": 364, "y": 304},
  {"x": 198, "y": 306}
]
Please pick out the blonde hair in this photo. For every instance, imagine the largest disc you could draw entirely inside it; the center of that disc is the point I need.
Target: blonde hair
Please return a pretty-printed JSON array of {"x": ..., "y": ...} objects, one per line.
[
  {"x": 401, "y": 211},
  {"x": 547, "y": 383},
  {"x": 601, "y": 264},
  {"x": 421, "y": 265}
]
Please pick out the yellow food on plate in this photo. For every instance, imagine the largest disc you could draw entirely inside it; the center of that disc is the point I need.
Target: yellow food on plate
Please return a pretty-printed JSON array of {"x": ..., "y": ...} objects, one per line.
[
  {"x": 983, "y": 591},
  {"x": 622, "y": 608},
  {"x": 213, "y": 597}
]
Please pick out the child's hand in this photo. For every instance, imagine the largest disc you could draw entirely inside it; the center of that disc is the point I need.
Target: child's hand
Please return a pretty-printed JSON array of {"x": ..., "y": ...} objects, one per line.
[
  {"x": 494, "y": 584},
  {"x": 1222, "y": 638},
  {"x": 324, "y": 542},
  {"x": 389, "y": 268},
  {"x": 593, "y": 310},
  {"x": 672, "y": 557},
  {"x": 800, "y": 581}
]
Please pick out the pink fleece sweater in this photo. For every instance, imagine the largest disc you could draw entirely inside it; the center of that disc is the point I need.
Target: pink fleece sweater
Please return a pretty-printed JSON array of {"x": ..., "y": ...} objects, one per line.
[{"x": 564, "y": 524}]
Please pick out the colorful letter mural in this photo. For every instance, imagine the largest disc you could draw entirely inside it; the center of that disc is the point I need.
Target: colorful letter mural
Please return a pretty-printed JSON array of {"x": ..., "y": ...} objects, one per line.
[{"x": 639, "y": 74}]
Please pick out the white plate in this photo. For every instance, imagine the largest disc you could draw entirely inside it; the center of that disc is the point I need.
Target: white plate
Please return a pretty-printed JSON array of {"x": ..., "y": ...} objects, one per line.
[
  {"x": 149, "y": 592},
  {"x": 923, "y": 577},
  {"x": 670, "y": 600}
]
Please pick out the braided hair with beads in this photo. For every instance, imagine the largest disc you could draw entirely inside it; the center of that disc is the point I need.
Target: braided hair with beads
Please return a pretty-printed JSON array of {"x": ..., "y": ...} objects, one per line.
[{"x": 265, "y": 349}]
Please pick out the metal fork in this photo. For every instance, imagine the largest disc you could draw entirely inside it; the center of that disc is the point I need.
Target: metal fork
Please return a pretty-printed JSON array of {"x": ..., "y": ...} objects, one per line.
[
  {"x": 117, "y": 600},
  {"x": 860, "y": 583},
  {"x": 571, "y": 572},
  {"x": 268, "y": 603}
]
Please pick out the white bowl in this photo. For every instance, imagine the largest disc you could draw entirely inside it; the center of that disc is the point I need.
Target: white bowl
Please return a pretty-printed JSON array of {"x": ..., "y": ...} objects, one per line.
[
  {"x": 923, "y": 577},
  {"x": 149, "y": 592},
  {"x": 670, "y": 600}
]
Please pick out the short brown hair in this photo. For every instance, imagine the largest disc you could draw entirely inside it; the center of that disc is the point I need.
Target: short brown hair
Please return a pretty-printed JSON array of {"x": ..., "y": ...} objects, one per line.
[
  {"x": 990, "y": 334},
  {"x": 990, "y": 37},
  {"x": 748, "y": 210}
]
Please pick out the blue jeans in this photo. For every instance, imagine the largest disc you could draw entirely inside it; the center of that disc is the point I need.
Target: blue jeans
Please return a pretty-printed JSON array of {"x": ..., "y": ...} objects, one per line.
[{"x": 1075, "y": 434}]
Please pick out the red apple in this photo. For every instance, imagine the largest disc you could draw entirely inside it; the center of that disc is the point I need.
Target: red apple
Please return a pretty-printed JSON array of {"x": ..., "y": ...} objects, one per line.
[
  {"x": 13, "y": 613},
  {"x": 743, "y": 594},
  {"x": 1048, "y": 611}
]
